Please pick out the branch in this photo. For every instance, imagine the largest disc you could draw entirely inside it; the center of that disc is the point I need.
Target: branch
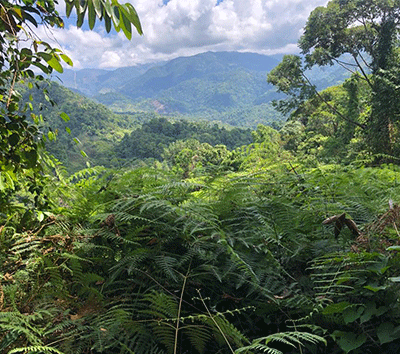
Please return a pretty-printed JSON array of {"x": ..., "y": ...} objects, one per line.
[
  {"x": 340, "y": 220},
  {"x": 362, "y": 70},
  {"x": 363, "y": 126}
]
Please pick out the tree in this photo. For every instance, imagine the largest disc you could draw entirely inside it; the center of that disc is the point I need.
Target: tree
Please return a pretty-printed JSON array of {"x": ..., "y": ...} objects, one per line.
[
  {"x": 366, "y": 30},
  {"x": 290, "y": 79},
  {"x": 20, "y": 53}
]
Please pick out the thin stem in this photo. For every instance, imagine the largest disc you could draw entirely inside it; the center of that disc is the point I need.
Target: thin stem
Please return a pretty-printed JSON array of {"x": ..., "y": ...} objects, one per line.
[
  {"x": 215, "y": 322},
  {"x": 179, "y": 310}
]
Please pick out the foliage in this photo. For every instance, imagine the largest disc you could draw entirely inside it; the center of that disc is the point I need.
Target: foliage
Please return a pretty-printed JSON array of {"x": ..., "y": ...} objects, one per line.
[
  {"x": 143, "y": 261},
  {"x": 150, "y": 140},
  {"x": 22, "y": 158},
  {"x": 90, "y": 127},
  {"x": 289, "y": 78},
  {"x": 19, "y": 135},
  {"x": 357, "y": 28},
  {"x": 317, "y": 127},
  {"x": 260, "y": 249}
]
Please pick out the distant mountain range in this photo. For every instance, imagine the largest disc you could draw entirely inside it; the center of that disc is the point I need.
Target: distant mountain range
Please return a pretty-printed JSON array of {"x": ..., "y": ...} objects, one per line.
[
  {"x": 210, "y": 85},
  {"x": 226, "y": 87}
]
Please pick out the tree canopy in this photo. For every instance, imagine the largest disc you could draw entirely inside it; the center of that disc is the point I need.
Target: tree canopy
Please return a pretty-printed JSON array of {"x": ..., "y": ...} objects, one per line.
[{"x": 367, "y": 32}]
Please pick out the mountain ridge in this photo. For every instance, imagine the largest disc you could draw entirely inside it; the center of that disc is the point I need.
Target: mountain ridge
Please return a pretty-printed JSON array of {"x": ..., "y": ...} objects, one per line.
[{"x": 209, "y": 84}]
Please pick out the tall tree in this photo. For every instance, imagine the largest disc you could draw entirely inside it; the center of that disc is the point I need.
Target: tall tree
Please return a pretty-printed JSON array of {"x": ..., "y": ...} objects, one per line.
[{"x": 367, "y": 30}]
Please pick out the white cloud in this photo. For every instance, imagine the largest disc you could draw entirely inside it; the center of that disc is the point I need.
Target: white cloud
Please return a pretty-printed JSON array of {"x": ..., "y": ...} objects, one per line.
[{"x": 188, "y": 27}]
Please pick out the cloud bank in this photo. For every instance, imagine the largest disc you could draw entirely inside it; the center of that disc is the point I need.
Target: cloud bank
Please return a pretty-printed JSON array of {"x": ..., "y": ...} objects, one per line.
[{"x": 175, "y": 28}]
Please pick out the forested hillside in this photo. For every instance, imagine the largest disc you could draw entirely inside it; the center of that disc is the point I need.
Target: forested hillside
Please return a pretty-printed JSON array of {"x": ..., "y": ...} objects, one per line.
[
  {"x": 212, "y": 85},
  {"x": 91, "y": 133},
  {"x": 89, "y": 127},
  {"x": 154, "y": 136},
  {"x": 187, "y": 237}
]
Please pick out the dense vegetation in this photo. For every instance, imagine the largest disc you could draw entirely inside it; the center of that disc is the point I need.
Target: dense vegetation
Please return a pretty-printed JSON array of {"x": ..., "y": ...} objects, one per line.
[
  {"x": 229, "y": 87},
  {"x": 93, "y": 134},
  {"x": 288, "y": 243},
  {"x": 150, "y": 140}
]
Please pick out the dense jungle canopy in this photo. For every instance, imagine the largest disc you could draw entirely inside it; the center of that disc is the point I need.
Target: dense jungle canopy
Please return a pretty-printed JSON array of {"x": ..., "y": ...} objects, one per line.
[{"x": 191, "y": 237}]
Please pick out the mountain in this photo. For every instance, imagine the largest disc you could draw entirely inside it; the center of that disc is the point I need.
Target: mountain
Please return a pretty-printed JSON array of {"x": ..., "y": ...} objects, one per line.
[
  {"x": 203, "y": 84},
  {"x": 210, "y": 67},
  {"x": 91, "y": 127},
  {"x": 216, "y": 86},
  {"x": 91, "y": 82}
]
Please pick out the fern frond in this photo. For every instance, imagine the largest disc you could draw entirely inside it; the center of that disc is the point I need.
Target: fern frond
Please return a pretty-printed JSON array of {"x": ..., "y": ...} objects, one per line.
[
  {"x": 35, "y": 349},
  {"x": 199, "y": 336},
  {"x": 223, "y": 330},
  {"x": 292, "y": 339},
  {"x": 161, "y": 305}
]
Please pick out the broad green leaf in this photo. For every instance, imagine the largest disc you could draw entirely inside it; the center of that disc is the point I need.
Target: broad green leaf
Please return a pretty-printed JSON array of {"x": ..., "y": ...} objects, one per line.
[
  {"x": 370, "y": 310},
  {"x": 55, "y": 64},
  {"x": 349, "y": 341},
  {"x": 44, "y": 69},
  {"x": 108, "y": 8},
  {"x": 335, "y": 308},
  {"x": 107, "y": 23},
  {"x": 83, "y": 153},
  {"x": 116, "y": 17},
  {"x": 133, "y": 17},
  {"x": 67, "y": 59},
  {"x": 40, "y": 216},
  {"x": 69, "y": 5},
  {"x": 91, "y": 14},
  {"x": 31, "y": 74},
  {"x": 374, "y": 288},
  {"x": 26, "y": 52},
  {"x": 81, "y": 6},
  {"x": 80, "y": 19},
  {"x": 125, "y": 24},
  {"x": 394, "y": 279},
  {"x": 45, "y": 56},
  {"x": 28, "y": 17},
  {"x": 98, "y": 8},
  {"x": 64, "y": 116},
  {"x": 387, "y": 332},
  {"x": 31, "y": 157},
  {"x": 352, "y": 313},
  {"x": 68, "y": 130}
]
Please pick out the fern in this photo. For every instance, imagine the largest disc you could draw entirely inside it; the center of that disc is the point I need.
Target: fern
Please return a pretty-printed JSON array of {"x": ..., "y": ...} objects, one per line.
[
  {"x": 291, "y": 339},
  {"x": 36, "y": 349}
]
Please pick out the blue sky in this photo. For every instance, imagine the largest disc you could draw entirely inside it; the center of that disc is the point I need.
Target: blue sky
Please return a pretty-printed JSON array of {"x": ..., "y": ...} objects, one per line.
[{"x": 175, "y": 28}]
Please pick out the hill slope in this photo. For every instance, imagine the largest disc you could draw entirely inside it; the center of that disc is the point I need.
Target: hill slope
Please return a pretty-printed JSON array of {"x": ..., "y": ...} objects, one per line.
[{"x": 214, "y": 85}]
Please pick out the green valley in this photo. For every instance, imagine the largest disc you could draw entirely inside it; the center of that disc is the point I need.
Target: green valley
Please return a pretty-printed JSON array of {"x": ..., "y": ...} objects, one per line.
[{"x": 224, "y": 203}]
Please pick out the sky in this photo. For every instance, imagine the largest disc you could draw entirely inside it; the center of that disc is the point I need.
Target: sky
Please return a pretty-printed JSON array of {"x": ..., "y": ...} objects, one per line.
[{"x": 174, "y": 28}]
